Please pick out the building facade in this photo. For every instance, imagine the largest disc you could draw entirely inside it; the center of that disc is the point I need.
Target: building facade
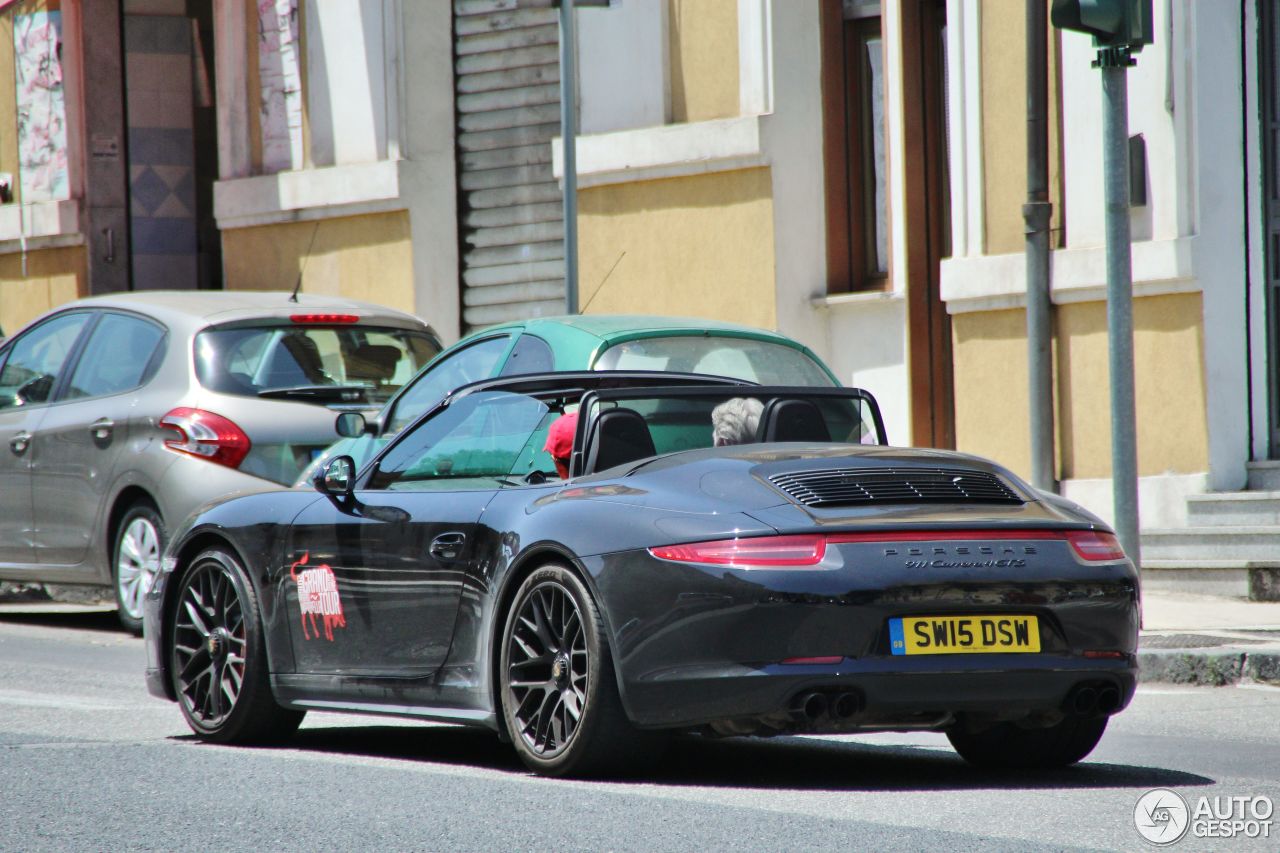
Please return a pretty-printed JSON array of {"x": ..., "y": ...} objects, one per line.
[{"x": 850, "y": 173}]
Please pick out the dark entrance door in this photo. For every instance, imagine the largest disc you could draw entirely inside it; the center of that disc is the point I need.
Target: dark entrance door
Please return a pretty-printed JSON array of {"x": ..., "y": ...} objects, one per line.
[
  {"x": 928, "y": 232},
  {"x": 172, "y": 146},
  {"x": 856, "y": 165}
]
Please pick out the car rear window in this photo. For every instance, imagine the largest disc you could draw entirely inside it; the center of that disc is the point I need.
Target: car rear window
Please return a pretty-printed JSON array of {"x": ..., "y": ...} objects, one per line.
[
  {"x": 739, "y": 358},
  {"x": 320, "y": 364}
]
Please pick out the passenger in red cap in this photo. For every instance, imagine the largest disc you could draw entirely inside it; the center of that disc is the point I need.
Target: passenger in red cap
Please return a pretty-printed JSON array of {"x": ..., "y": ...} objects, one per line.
[{"x": 560, "y": 442}]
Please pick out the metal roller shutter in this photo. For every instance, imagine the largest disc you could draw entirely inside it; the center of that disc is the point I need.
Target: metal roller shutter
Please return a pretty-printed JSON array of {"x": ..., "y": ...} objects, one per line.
[{"x": 511, "y": 214}]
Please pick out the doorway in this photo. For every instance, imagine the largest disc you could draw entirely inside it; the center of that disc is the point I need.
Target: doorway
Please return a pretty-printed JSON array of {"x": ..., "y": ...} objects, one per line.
[{"x": 171, "y": 128}]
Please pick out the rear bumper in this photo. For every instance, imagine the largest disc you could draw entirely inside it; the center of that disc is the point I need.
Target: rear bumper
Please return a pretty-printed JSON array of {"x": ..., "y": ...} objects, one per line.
[
  {"x": 190, "y": 483},
  {"x": 890, "y": 694}
]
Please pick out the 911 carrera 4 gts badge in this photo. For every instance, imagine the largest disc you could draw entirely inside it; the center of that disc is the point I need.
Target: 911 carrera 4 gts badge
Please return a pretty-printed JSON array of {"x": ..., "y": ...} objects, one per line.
[{"x": 318, "y": 596}]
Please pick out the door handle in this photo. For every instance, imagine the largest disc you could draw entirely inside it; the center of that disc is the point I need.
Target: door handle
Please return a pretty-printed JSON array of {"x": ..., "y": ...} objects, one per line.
[
  {"x": 20, "y": 442},
  {"x": 448, "y": 546},
  {"x": 101, "y": 429}
]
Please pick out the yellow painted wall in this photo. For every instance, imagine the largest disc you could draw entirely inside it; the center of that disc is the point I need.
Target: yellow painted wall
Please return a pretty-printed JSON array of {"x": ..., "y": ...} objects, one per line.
[
  {"x": 54, "y": 277},
  {"x": 360, "y": 257},
  {"x": 991, "y": 387},
  {"x": 1004, "y": 126},
  {"x": 700, "y": 246},
  {"x": 8, "y": 102},
  {"x": 703, "y": 44}
]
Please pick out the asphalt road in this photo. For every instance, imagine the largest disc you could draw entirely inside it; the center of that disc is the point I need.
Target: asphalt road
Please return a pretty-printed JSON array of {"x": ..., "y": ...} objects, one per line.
[{"x": 89, "y": 761}]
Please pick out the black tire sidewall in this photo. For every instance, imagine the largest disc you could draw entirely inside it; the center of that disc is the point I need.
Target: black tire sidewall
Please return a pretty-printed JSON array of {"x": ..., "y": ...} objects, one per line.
[
  {"x": 1008, "y": 746},
  {"x": 141, "y": 509},
  {"x": 601, "y": 691},
  {"x": 256, "y": 681}
]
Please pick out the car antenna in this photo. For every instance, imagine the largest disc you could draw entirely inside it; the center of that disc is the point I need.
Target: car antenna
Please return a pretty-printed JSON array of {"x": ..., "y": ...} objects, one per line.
[{"x": 293, "y": 297}]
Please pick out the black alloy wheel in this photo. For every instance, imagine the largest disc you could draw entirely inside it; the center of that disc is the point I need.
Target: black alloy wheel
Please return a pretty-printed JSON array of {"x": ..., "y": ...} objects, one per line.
[
  {"x": 559, "y": 694},
  {"x": 218, "y": 658}
]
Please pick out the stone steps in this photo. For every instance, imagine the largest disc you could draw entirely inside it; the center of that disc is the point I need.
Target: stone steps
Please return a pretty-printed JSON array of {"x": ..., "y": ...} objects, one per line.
[
  {"x": 1230, "y": 546},
  {"x": 1234, "y": 509}
]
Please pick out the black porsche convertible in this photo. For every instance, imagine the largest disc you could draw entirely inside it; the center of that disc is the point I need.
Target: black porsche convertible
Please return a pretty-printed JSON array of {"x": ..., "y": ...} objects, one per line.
[{"x": 807, "y": 578}]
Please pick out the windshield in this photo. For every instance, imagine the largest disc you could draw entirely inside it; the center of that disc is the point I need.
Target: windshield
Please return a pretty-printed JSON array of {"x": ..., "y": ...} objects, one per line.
[
  {"x": 740, "y": 358},
  {"x": 480, "y": 438},
  {"x": 501, "y": 439},
  {"x": 321, "y": 364}
]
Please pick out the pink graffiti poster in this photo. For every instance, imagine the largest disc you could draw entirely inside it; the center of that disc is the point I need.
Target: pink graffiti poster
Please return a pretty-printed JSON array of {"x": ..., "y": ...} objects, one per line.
[
  {"x": 42, "y": 114},
  {"x": 280, "y": 71}
]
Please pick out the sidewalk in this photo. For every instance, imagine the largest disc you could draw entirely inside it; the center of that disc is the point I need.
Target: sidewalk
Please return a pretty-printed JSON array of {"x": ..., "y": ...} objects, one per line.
[{"x": 1208, "y": 640}]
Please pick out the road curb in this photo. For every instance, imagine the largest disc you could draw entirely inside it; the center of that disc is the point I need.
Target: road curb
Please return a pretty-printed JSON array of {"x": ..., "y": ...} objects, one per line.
[{"x": 1217, "y": 668}]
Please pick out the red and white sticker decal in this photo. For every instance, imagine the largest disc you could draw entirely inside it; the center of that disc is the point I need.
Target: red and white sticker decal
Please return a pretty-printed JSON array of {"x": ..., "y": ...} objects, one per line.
[{"x": 318, "y": 596}]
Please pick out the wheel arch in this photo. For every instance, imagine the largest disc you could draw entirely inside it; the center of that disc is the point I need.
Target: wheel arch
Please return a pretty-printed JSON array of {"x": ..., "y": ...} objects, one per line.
[
  {"x": 128, "y": 497},
  {"x": 533, "y": 558}
]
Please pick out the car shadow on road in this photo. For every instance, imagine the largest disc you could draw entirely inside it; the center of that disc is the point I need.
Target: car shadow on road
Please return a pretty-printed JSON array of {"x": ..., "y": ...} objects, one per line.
[
  {"x": 785, "y": 763},
  {"x": 846, "y": 764},
  {"x": 88, "y": 619}
]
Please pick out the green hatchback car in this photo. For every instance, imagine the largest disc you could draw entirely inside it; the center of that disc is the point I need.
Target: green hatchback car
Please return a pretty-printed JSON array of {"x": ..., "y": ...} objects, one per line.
[{"x": 590, "y": 342}]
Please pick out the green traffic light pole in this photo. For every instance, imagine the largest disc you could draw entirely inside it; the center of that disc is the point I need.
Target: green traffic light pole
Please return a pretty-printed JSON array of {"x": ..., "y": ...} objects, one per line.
[{"x": 1114, "y": 63}]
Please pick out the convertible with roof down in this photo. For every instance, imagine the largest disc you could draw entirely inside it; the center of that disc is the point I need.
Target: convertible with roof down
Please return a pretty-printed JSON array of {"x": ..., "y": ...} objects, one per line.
[{"x": 798, "y": 575}]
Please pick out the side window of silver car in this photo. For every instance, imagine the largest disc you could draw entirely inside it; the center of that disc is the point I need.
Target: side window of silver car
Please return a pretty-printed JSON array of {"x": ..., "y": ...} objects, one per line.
[
  {"x": 36, "y": 360},
  {"x": 116, "y": 358}
]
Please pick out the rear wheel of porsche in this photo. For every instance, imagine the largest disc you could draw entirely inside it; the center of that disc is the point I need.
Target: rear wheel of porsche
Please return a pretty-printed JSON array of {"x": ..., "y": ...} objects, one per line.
[
  {"x": 218, "y": 659},
  {"x": 1009, "y": 746},
  {"x": 559, "y": 692}
]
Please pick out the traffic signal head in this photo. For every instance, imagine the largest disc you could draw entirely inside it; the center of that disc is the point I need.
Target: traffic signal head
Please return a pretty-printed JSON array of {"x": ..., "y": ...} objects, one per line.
[{"x": 1112, "y": 23}]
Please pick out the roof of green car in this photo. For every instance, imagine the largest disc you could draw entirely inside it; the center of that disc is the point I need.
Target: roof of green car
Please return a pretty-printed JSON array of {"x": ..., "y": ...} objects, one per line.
[
  {"x": 612, "y": 327},
  {"x": 578, "y": 339}
]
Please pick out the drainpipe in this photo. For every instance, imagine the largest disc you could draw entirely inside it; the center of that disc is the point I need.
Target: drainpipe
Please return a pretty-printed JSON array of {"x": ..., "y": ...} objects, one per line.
[
  {"x": 568, "y": 141},
  {"x": 1036, "y": 214}
]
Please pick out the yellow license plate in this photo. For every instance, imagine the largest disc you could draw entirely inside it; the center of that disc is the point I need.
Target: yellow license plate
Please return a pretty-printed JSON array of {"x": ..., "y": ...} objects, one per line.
[{"x": 957, "y": 635}]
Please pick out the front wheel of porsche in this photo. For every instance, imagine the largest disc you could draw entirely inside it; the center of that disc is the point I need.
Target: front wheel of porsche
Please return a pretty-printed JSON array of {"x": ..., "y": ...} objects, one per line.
[
  {"x": 559, "y": 692},
  {"x": 1010, "y": 746},
  {"x": 218, "y": 659}
]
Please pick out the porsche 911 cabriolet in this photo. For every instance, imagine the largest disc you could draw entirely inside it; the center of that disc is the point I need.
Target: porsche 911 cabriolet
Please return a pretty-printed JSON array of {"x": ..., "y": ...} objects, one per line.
[{"x": 789, "y": 572}]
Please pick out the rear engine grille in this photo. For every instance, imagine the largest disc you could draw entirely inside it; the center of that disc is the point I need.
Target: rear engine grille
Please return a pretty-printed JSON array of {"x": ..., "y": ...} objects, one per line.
[{"x": 867, "y": 487}]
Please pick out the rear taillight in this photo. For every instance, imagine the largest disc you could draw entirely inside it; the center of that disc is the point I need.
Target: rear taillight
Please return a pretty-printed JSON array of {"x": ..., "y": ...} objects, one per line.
[
  {"x": 809, "y": 550},
  {"x": 207, "y": 436},
  {"x": 1094, "y": 546},
  {"x": 768, "y": 551}
]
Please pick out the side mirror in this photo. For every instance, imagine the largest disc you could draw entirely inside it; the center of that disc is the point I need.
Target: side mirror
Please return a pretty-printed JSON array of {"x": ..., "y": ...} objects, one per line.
[
  {"x": 350, "y": 425},
  {"x": 338, "y": 478}
]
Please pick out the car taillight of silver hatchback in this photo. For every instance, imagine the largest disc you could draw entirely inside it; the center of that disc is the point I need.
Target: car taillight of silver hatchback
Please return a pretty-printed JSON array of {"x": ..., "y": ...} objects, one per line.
[{"x": 206, "y": 435}]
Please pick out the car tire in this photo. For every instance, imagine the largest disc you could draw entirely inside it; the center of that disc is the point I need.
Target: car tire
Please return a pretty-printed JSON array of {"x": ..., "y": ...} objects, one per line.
[
  {"x": 139, "y": 541},
  {"x": 1010, "y": 746},
  {"x": 559, "y": 692},
  {"x": 218, "y": 656}
]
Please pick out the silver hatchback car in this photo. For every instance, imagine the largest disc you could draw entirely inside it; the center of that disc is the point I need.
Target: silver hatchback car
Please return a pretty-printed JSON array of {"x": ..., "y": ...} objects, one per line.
[{"x": 121, "y": 414}]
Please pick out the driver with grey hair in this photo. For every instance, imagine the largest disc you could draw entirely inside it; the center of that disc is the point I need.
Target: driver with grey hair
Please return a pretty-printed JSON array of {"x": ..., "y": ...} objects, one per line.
[{"x": 735, "y": 421}]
